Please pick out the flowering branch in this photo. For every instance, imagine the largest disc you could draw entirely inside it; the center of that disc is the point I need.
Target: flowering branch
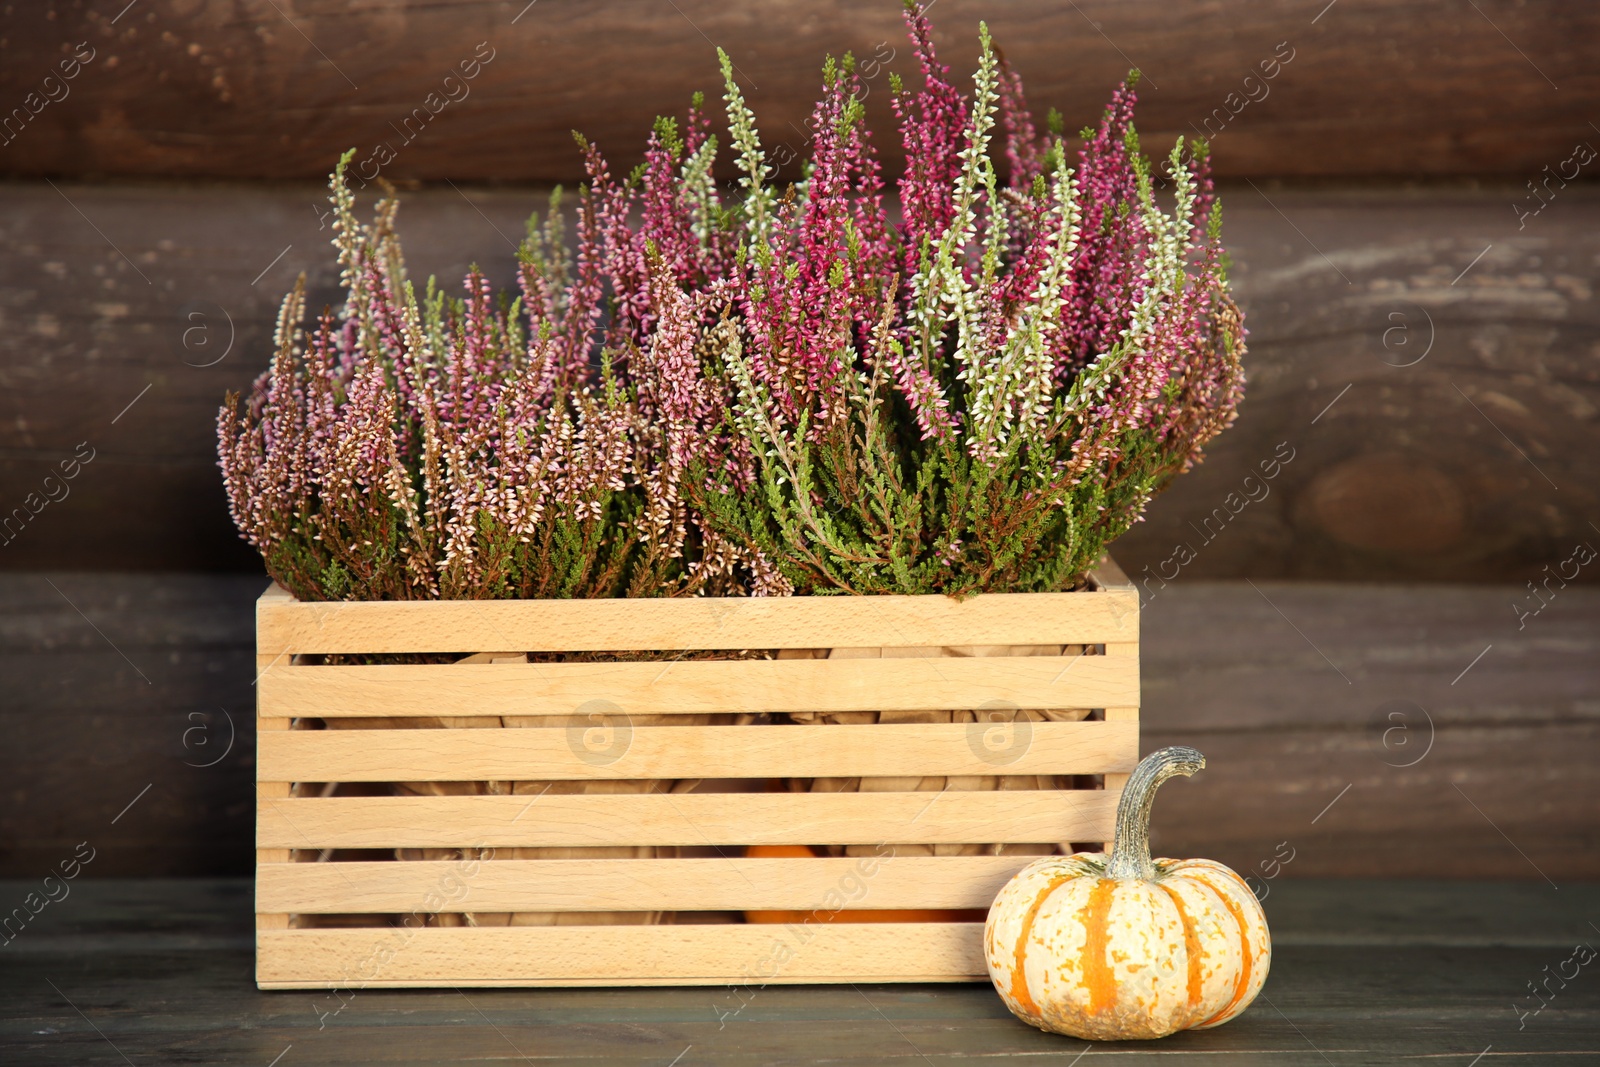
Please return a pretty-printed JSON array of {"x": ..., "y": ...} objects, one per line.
[{"x": 789, "y": 394}]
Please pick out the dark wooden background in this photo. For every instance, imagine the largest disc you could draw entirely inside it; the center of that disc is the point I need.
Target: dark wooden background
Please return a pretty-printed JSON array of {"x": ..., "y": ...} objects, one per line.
[
  {"x": 1424, "y": 341},
  {"x": 274, "y": 88}
]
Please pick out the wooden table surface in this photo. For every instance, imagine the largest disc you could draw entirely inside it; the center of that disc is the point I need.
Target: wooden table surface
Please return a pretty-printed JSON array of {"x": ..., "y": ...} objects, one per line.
[{"x": 159, "y": 972}]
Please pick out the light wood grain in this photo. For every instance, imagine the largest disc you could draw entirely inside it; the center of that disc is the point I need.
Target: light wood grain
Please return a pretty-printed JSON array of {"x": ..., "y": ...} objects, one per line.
[
  {"x": 864, "y": 883},
  {"x": 680, "y": 954},
  {"x": 1021, "y": 816},
  {"x": 690, "y": 752},
  {"x": 488, "y": 685},
  {"x": 698, "y": 687},
  {"x": 603, "y": 983},
  {"x": 699, "y": 623}
]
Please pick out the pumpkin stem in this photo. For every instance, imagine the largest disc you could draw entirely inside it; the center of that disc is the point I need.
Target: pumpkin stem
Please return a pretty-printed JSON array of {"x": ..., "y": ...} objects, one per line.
[{"x": 1130, "y": 850}]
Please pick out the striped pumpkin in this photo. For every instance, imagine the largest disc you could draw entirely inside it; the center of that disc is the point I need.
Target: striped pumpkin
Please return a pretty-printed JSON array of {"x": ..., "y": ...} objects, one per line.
[{"x": 1130, "y": 947}]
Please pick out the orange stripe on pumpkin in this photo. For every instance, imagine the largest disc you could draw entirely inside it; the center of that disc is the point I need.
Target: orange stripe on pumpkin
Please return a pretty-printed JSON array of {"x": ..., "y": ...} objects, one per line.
[
  {"x": 1098, "y": 977},
  {"x": 1019, "y": 978},
  {"x": 1192, "y": 948},
  {"x": 1244, "y": 941}
]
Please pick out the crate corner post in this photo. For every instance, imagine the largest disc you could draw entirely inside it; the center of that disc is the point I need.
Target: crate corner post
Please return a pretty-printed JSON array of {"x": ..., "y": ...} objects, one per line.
[
  {"x": 1110, "y": 579},
  {"x": 269, "y": 606}
]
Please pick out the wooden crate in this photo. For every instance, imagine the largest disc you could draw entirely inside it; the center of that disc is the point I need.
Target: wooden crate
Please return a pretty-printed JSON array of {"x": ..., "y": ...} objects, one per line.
[{"x": 288, "y": 688}]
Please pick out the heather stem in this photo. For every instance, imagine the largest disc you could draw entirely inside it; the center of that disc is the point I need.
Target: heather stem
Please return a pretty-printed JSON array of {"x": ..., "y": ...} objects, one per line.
[{"x": 1130, "y": 852}]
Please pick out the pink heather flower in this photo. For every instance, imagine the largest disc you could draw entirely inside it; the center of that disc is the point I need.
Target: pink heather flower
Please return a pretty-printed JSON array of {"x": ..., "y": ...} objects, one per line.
[
  {"x": 1057, "y": 332},
  {"x": 1106, "y": 275},
  {"x": 933, "y": 125}
]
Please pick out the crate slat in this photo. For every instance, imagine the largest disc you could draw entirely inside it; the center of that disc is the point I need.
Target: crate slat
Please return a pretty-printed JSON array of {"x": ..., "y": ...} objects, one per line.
[
  {"x": 701, "y": 686},
  {"x": 601, "y": 955},
  {"x": 613, "y": 750},
  {"x": 286, "y": 626},
  {"x": 424, "y": 886},
  {"x": 693, "y": 819}
]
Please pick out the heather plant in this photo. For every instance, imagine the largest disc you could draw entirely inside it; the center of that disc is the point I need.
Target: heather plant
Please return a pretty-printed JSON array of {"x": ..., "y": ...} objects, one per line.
[
  {"x": 986, "y": 395},
  {"x": 425, "y": 447},
  {"x": 789, "y": 392}
]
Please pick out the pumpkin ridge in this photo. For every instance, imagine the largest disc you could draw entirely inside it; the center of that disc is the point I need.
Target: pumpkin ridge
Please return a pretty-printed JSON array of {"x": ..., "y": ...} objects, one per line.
[
  {"x": 1193, "y": 948},
  {"x": 1098, "y": 976},
  {"x": 1244, "y": 940},
  {"x": 1019, "y": 978}
]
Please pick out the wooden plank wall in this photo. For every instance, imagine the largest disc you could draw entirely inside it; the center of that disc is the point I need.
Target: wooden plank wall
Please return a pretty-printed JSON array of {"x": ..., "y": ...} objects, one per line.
[
  {"x": 1352, "y": 729},
  {"x": 1464, "y": 449},
  {"x": 1461, "y": 319},
  {"x": 1416, "y": 259},
  {"x": 276, "y": 90},
  {"x": 119, "y": 682}
]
